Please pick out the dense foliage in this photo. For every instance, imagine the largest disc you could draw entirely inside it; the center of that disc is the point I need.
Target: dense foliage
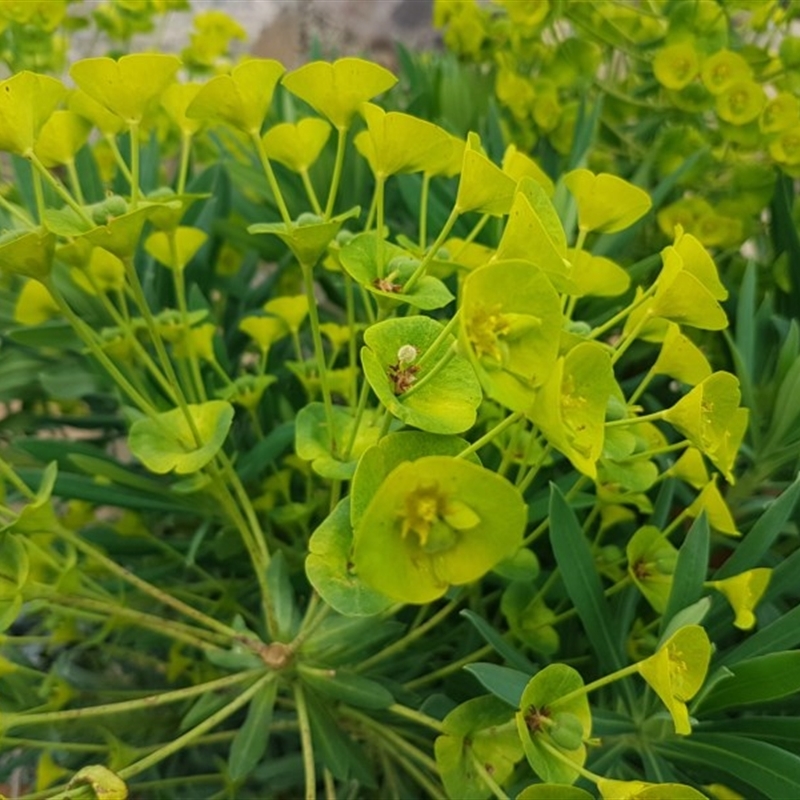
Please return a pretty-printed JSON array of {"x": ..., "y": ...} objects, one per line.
[{"x": 341, "y": 458}]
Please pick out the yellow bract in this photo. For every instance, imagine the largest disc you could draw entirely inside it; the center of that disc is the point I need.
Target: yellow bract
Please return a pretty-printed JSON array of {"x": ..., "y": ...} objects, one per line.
[
  {"x": 177, "y": 248},
  {"x": 34, "y": 305},
  {"x": 240, "y": 99},
  {"x": 677, "y": 65},
  {"x": 26, "y": 102},
  {"x": 60, "y": 138},
  {"x": 606, "y": 203},
  {"x": 297, "y": 145},
  {"x": 337, "y": 90},
  {"x": 175, "y": 100},
  {"x": 743, "y": 592},
  {"x": 126, "y": 87}
]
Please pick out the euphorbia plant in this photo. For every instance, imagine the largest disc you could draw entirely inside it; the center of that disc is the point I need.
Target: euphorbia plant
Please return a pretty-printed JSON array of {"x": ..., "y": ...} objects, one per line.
[{"x": 282, "y": 614}]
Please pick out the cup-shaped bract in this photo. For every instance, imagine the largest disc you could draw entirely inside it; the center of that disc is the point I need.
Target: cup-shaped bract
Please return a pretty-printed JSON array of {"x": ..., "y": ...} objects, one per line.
[
  {"x": 780, "y": 113},
  {"x": 308, "y": 237},
  {"x": 570, "y": 408},
  {"x": 651, "y": 563},
  {"x": 108, "y": 123},
  {"x": 167, "y": 442},
  {"x": 264, "y": 330},
  {"x": 175, "y": 99},
  {"x": 176, "y": 248},
  {"x": 518, "y": 165},
  {"x": 691, "y": 468},
  {"x": 676, "y": 65},
  {"x": 395, "y": 142},
  {"x": 337, "y": 90},
  {"x": 102, "y": 272},
  {"x": 743, "y": 592},
  {"x": 434, "y": 523},
  {"x": 538, "y": 722},
  {"x": 483, "y": 186},
  {"x": 510, "y": 324},
  {"x": 596, "y": 276},
  {"x": 741, "y": 102},
  {"x": 61, "y": 136},
  {"x": 476, "y": 730},
  {"x": 722, "y": 69},
  {"x": 709, "y": 416},
  {"x": 677, "y": 671},
  {"x": 712, "y": 502},
  {"x": 448, "y": 394},
  {"x": 606, "y": 203},
  {"x": 681, "y": 358},
  {"x": 27, "y": 253},
  {"x": 26, "y": 102},
  {"x": 34, "y": 304},
  {"x": 685, "y": 297},
  {"x": 129, "y": 86},
  {"x": 297, "y": 145},
  {"x": 535, "y": 233},
  {"x": 291, "y": 309},
  {"x": 241, "y": 99}
]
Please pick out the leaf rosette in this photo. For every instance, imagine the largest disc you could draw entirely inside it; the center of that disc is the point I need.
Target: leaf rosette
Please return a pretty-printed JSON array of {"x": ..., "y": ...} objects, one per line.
[{"x": 434, "y": 523}]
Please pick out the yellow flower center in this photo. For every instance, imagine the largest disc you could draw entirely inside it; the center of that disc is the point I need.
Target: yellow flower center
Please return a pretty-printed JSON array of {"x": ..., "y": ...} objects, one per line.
[{"x": 486, "y": 329}]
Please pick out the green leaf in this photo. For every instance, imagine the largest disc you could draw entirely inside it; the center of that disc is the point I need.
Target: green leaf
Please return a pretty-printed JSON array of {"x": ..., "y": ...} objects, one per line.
[
  {"x": 768, "y": 769},
  {"x": 574, "y": 558},
  {"x": 782, "y": 634},
  {"x": 538, "y": 719},
  {"x": 503, "y": 682},
  {"x": 762, "y": 535},
  {"x": 448, "y": 393},
  {"x": 166, "y": 442},
  {"x": 250, "y": 742},
  {"x": 128, "y": 86},
  {"x": 241, "y": 99},
  {"x": 347, "y": 687},
  {"x": 493, "y": 637},
  {"x": 756, "y": 680},
  {"x": 436, "y": 522},
  {"x": 690, "y": 570},
  {"x": 330, "y": 570},
  {"x": 639, "y": 790},
  {"x": 337, "y": 90}
]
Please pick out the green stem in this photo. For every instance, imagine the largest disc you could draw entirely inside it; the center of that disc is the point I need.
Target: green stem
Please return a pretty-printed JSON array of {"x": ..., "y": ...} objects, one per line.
[
  {"x": 319, "y": 353},
  {"x": 416, "y": 716},
  {"x": 145, "y": 587},
  {"x": 434, "y": 248},
  {"x": 380, "y": 185},
  {"x": 449, "y": 669},
  {"x": 87, "y": 335},
  {"x": 486, "y": 777},
  {"x": 126, "y": 706},
  {"x": 210, "y": 722},
  {"x": 617, "y": 318},
  {"x": 306, "y": 742},
  {"x": 534, "y": 470},
  {"x": 401, "y": 644},
  {"x": 201, "y": 639},
  {"x": 352, "y": 342},
  {"x": 123, "y": 167},
  {"x": 133, "y": 134},
  {"x": 440, "y": 365},
  {"x": 42, "y": 170},
  {"x": 75, "y": 182},
  {"x": 445, "y": 333},
  {"x": 618, "y": 423},
  {"x": 642, "y": 386},
  {"x": 491, "y": 434},
  {"x": 632, "y": 669},
  {"x": 310, "y": 193},
  {"x": 39, "y": 194},
  {"x": 341, "y": 141},
  {"x": 7, "y": 472},
  {"x": 628, "y": 340},
  {"x": 362, "y": 404},
  {"x": 582, "y": 771},
  {"x": 16, "y": 211},
  {"x": 271, "y": 179},
  {"x": 423, "y": 210},
  {"x": 477, "y": 228},
  {"x": 183, "y": 169}
]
